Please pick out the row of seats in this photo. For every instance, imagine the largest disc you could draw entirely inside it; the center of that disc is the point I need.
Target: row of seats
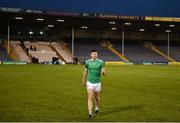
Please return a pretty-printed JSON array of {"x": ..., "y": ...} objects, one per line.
[
  {"x": 136, "y": 52},
  {"x": 3, "y": 54},
  {"x": 18, "y": 51},
  {"x": 133, "y": 50},
  {"x": 43, "y": 52},
  {"x": 174, "y": 49},
  {"x": 63, "y": 51},
  {"x": 83, "y": 48}
]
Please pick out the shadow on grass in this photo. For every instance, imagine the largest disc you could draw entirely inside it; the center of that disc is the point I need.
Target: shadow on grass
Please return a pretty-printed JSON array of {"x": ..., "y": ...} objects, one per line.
[
  {"x": 120, "y": 109},
  {"x": 110, "y": 110}
]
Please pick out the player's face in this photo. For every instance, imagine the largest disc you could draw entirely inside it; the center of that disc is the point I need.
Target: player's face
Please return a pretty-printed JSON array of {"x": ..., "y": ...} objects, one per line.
[{"x": 94, "y": 55}]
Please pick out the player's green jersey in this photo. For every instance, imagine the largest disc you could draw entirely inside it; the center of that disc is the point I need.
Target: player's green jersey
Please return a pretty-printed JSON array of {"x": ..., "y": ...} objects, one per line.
[{"x": 94, "y": 70}]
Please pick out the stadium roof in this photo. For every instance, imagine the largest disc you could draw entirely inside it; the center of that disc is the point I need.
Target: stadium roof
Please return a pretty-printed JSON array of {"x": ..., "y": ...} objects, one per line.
[
  {"x": 166, "y": 8},
  {"x": 62, "y": 20}
]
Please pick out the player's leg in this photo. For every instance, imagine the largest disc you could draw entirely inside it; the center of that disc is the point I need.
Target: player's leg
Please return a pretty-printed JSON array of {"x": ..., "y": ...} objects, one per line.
[
  {"x": 97, "y": 96},
  {"x": 90, "y": 101},
  {"x": 90, "y": 91},
  {"x": 97, "y": 99}
]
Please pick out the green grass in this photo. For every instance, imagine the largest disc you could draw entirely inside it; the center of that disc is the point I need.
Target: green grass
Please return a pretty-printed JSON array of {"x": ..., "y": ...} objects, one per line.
[{"x": 54, "y": 93}]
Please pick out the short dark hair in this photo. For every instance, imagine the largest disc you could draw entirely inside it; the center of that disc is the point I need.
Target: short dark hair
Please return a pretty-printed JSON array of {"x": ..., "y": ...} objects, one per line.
[{"x": 94, "y": 51}]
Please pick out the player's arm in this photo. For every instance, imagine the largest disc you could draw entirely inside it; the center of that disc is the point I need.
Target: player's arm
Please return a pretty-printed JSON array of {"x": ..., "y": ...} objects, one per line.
[
  {"x": 103, "y": 70},
  {"x": 84, "y": 77}
]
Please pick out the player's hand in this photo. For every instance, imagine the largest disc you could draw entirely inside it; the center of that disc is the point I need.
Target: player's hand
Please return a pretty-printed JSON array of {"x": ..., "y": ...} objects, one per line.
[{"x": 103, "y": 73}]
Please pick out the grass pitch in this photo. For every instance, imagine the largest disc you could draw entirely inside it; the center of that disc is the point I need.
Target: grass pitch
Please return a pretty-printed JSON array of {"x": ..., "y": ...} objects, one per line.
[{"x": 54, "y": 93}]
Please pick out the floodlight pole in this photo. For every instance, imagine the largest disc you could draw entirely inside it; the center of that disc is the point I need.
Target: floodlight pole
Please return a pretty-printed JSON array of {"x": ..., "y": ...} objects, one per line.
[
  {"x": 123, "y": 42},
  {"x": 72, "y": 40},
  {"x": 8, "y": 37},
  {"x": 168, "y": 44}
]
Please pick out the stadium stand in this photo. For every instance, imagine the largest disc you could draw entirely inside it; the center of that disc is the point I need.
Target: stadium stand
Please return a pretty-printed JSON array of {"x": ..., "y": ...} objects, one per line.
[{"x": 33, "y": 36}]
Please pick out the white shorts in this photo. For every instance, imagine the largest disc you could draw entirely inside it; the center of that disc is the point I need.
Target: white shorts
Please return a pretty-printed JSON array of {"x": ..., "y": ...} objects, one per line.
[{"x": 94, "y": 86}]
